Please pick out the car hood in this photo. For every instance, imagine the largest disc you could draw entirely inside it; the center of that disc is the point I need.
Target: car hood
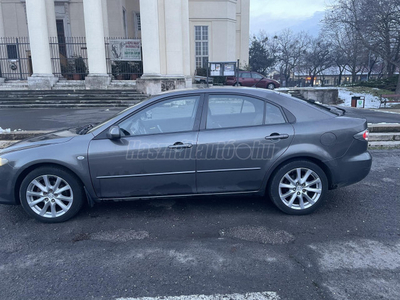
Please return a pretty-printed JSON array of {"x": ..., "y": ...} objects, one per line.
[{"x": 56, "y": 137}]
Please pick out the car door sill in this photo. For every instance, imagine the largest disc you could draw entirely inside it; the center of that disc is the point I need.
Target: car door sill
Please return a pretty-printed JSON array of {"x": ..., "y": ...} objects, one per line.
[{"x": 179, "y": 196}]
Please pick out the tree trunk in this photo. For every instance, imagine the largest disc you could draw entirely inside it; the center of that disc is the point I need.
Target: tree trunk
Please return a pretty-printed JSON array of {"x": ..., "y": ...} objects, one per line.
[
  {"x": 353, "y": 76},
  {"x": 398, "y": 86}
]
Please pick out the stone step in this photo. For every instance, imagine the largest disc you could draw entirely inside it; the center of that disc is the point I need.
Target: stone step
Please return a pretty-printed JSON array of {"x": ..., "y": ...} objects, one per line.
[
  {"x": 69, "y": 91},
  {"x": 384, "y": 127},
  {"x": 384, "y": 145},
  {"x": 384, "y": 136},
  {"x": 67, "y": 105},
  {"x": 73, "y": 98}
]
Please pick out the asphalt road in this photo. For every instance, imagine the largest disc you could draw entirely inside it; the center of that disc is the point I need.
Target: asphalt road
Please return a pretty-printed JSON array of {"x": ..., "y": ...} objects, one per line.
[
  {"x": 348, "y": 249},
  {"x": 59, "y": 118},
  {"x": 372, "y": 116},
  {"x": 52, "y": 118}
]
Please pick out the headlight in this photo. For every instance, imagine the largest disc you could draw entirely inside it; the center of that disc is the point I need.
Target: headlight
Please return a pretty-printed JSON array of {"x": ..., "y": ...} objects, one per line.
[{"x": 3, "y": 161}]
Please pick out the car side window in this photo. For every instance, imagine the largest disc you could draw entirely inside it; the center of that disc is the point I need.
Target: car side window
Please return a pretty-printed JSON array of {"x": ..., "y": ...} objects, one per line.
[
  {"x": 245, "y": 75},
  {"x": 273, "y": 115},
  {"x": 256, "y": 76},
  {"x": 174, "y": 115},
  {"x": 226, "y": 111}
]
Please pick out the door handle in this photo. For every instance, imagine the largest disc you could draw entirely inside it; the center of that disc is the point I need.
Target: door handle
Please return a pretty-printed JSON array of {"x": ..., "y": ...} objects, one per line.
[
  {"x": 276, "y": 136},
  {"x": 180, "y": 145}
]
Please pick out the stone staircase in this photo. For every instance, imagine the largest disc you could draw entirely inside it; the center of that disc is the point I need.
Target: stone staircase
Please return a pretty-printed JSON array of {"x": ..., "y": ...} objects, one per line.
[{"x": 70, "y": 98}]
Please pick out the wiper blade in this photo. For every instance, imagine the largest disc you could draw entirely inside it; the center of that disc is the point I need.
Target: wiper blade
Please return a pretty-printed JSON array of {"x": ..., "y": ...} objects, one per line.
[{"x": 84, "y": 129}]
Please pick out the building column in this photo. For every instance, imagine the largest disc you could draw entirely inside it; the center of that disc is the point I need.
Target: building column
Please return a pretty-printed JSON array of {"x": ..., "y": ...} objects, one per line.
[
  {"x": 186, "y": 42},
  {"x": 170, "y": 18},
  {"x": 2, "y": 35},
  {"x": 105, "y": 18},
  {"x": 42, "y": 77},
  {"x": 94, "y": 28},
  {"x": 51, "y": 18},
  {"x": 150, "y": 38},
  {"x": 174, "y": 41}
]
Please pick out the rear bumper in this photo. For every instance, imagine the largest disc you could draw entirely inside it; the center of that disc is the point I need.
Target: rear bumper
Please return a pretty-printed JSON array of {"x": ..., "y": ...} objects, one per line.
[{"x": 350, "y": 170}]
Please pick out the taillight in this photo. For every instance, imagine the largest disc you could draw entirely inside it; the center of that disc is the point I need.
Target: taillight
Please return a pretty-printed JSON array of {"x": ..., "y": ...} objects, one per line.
[
  {"x": 362, "y": 136},
  {"x": 366, "y": 135}
]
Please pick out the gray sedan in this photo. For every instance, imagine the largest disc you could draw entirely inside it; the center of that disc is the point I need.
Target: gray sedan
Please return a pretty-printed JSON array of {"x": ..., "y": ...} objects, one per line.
[{"x": 193, "y": 142}]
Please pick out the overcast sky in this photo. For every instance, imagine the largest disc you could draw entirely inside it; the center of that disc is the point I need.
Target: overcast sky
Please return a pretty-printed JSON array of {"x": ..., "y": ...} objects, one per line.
[{"x": 274, "y": 15}]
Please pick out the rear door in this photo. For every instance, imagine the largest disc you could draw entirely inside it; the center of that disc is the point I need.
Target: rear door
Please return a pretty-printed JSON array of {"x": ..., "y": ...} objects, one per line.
[
  {"x": 239, "y": 140},
  {"x": 245, "y": 79}
]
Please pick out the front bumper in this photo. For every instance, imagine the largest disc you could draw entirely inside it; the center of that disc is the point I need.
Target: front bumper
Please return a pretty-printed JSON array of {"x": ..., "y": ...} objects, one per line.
[{"x": 7, "y": 175}]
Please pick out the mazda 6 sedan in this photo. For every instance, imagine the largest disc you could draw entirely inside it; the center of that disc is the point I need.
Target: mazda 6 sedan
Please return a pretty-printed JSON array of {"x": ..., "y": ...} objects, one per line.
[{"x": 221, "y": 141}]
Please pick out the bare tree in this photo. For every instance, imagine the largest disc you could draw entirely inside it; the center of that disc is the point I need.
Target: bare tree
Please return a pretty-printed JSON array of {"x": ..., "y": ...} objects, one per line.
[
  {"x": 289, "y": 49},
  {"x": 317, "y": 58},
  {"x": 377, "y": 26}
]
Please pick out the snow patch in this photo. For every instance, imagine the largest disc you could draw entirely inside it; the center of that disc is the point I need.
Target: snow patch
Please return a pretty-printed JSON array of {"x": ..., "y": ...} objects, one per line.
[
  {"x": 8, "y": 130},
  {"x": 346, "y": 95}
]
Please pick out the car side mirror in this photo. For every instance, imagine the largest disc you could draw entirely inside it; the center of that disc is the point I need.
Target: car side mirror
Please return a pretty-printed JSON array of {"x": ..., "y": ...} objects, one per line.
[{"x": 114, "y": 132}]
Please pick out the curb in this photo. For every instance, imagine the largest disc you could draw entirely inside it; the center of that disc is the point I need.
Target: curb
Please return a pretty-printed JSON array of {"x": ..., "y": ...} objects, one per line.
[
  {"x": 380, "y": 145},
  {"x": 21, "y": 135}
]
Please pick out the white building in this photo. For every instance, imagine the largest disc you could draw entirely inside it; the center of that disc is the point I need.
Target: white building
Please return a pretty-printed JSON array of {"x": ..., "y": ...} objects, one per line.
[{"x": 177, "y": 36}]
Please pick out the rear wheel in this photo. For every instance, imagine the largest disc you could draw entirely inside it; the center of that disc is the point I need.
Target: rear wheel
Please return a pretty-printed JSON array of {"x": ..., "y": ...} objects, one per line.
[
  {"x": 51, "y": 194},
  {"x": 298, "y": 187},
  {"x": 271, "y": 86}
]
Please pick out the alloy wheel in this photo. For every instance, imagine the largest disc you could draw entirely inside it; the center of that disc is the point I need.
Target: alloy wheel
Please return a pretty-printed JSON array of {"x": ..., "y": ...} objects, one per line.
[
  {"x": 49, "y": 196},
  {"x": 300, "y": 188}
]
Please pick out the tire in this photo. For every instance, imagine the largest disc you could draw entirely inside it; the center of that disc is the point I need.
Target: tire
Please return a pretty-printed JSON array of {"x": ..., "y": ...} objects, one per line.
[
  {"x": 51, "y": 194},
  {"x": 298, "y": 195},
  {"x": 270, "y": 86},
  {"x": 237, "y": 84}
]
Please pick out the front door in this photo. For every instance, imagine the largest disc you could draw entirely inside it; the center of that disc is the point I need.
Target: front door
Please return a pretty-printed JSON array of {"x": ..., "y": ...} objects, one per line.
[
  {"x": 239, "y": 144},
  {"x": 155, "y": 155}
]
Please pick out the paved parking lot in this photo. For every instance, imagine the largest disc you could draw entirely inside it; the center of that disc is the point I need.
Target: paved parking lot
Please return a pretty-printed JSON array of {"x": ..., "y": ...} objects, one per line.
[{"x": 241, "y": 247}]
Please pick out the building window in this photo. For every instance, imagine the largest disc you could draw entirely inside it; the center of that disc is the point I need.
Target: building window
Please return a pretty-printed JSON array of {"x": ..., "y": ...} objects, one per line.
[
  {"x": 138, "y": 24},
  {"x": 201, "y": 46},
  {"x": 12, "y": 52}
]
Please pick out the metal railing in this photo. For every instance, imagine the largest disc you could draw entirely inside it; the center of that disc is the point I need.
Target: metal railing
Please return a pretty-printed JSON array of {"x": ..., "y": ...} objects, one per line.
[
  {"x": 15, "y": 58},
  {"x": 122, "y": 70},
  {"x": 69, "y": 57}
]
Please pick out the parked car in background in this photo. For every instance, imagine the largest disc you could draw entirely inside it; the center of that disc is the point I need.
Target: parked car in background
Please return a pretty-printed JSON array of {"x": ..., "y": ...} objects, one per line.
[
  {"x": 220, "y": 141},
  {"x": 203, "y": 79},
  {"x": 253, "y": 79}
]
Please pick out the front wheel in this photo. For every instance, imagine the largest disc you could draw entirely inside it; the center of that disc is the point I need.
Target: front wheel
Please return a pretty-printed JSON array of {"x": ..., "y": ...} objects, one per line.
[
  {"x": 271, "y": 86},
  {"x": 51, "y": 194},
  {"x": 298, "y": 187}
]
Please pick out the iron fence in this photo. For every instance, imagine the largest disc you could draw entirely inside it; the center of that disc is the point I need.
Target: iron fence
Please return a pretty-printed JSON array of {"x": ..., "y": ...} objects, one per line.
[
  {"x": 69, "y": 57},
  {"x": 15, "y": 58},
  {"x": 122, "y": 69}
]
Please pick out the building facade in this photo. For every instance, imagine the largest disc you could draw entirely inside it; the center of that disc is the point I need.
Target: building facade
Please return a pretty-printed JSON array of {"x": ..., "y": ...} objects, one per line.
[{"x": 176, "y": 38}]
